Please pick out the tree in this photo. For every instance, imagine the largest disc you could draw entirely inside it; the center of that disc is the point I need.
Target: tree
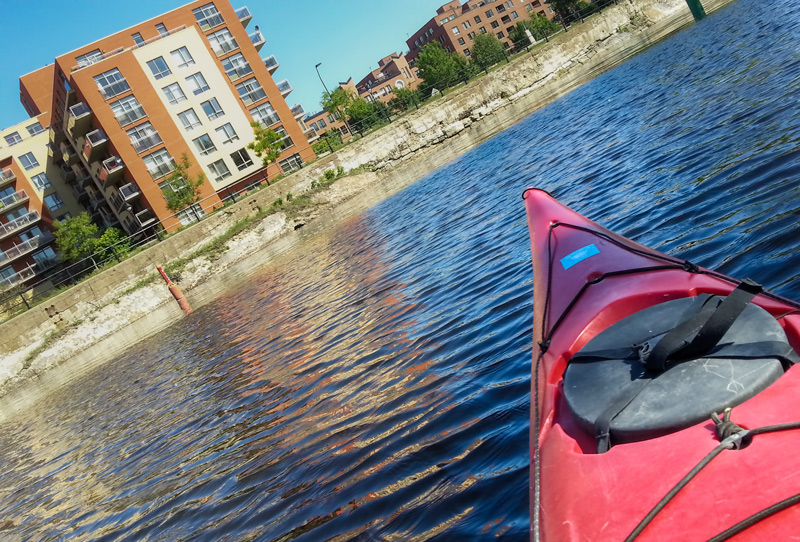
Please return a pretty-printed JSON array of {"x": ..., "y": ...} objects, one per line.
[
  {"x": 539, "y": 26},
  {"x": 267, "y": 144},
  {"x": 364, "y": 115},
  {"x": 180, "y": 189},
  {"x": 337, "y": 102},
  {"x": 112, "y": 243},
  {"x": 487, "y": 51},
  {"x": 404, "y": 99},
  {"x": 564, "y": 8},
  {"x": 437, "y": 67},
  {"x": 76, "y": 237}
]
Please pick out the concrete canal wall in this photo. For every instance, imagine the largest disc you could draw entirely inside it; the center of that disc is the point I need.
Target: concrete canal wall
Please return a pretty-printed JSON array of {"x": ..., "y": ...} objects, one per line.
[{"x": 103, "y": 316}]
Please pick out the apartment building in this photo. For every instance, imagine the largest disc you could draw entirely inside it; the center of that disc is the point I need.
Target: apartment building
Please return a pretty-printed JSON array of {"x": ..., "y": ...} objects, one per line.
[
  {"x": 393, "y": 73},
  {"x": 124, "y": 110},
  {"x": 456, "y": 25},
  {"x": 33, "y": 193}
]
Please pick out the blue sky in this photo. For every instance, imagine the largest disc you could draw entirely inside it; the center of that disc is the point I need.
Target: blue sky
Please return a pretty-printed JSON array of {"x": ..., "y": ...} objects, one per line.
[{"x": 347, "y": 36}]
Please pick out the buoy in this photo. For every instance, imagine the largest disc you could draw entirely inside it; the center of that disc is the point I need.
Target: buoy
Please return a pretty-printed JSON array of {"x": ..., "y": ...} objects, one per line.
[{"x": 176, "y": 293}]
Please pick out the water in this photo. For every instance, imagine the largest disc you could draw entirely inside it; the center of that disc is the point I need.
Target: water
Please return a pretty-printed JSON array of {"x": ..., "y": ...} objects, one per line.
[{"x": 376, "y": 387}]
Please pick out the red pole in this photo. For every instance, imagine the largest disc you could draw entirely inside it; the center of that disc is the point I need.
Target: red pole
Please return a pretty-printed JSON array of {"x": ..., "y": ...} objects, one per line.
[{"x": 176, "y": 293}]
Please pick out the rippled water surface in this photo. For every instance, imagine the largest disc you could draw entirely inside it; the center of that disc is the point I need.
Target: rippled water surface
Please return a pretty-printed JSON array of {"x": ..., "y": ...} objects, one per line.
[{"x": 376, "y": 386}]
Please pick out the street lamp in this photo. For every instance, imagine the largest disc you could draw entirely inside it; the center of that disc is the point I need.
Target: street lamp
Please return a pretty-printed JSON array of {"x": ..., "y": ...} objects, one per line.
[{"x": 340, "y": 113}]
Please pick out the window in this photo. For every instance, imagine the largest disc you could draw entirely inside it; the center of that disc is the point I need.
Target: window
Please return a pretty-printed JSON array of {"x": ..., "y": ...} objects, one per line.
[
  {"x": 189, "y": 119},
  {"x": 138, "y": 39},
  {"x": 242, "y": 159},
  {"x": 208, "y": 16},
  {"x": 159, "y": 164},
  {"x": 500, "y": 9},
  {"x": 162, "y": 30},
  {"x": 144, "y": 137},
  {"x": 514, "y": 15},
  {"x": 127, "y": 110},
  {"x": 455, "y": 31},
  {"x": 226, "y": 133},
  {"x": 45, "y": 258},
  {"x": 28, "y": 160},
  {"x": 477, "y": 19},
  {"x": 220, "y": 170},
  {"x": 322, "y": 123},
  {"x": 467, "y": 25},
  {"x": 89, "y": 58},
  {"x": 461, "y": 41},
  {"x": 331, "y": 119},
  {"x": 500, "y": 35},
  {"x": 32, "y": 233},
  {"x": 174, "y": 93},
  {"x": 313, "y": 126},
  {"x": 482, "y": 30},
  {"x": 510, "y": 4},
  {"x": 35, "y": 128},
  {"x": 13, "y": 138},
  {"x": 111, "y": 83},
  {"x": 53, "y": 202},
  {"x": 285, "y": 140},
  {"x": 292, "y": 163},
  {"x": 197, "y": 83},
  {"x": 265, "y": 115},
  {"x": 159, "y": 67},
  {"x": 471, "y": 36},
  {"x": 222, "y": 42},
  {"x": 489, "y": 13},
  {"x": 41, "y": 181},
  {"x": 399, "y": 83},
  {"x": 495, "y": 24},
  {"x": 204, "y": 145},
  {"x": 236, "y": 66},
  {"x": 182, "y": 57},
  {"x": 529, "y": 8},
  {"x": 467, "y": 53},
  {"x": 250, "y": 91},
  {"x": 212, "y": 109}
]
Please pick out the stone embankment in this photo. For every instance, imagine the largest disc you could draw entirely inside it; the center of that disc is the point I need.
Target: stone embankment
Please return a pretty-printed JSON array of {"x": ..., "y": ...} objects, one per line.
[{"x": 105, "y": 315}]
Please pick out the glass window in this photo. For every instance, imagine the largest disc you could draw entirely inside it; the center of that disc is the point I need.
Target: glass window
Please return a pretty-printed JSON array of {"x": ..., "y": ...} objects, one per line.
[
  {"x": 13, "y": 138},
  {"x": 137, "y": 39},
  {"x": 495, "y": 24},
  {"x": 500, "y": 8},
  {"x": 144, "y": 137},
  {"x": 41, "y": 181},
  {"x": 174, "y": 93},
  {"x": 111, "y": 83},
  {"x": 456, "y": 31},
  {"x": 162, "y": 30},
  {"x": 220, "y": 170},
  {"x": 189, "y": 119},
  {"x": 197, "y": 83},
  {"x": 45, "y": 258},
  {"x": 204, "y": 145},
  {"x": 226, "y": 133},
  {"x": 89, "y": 58},
  {"x": 478, "y": 19},
  {"x": 32, "y": 233},
  {"x": 265, "y": 114},
  {"x": 242, "y": 159},
  {"x": 212, "y": 109},
  {"x": 236, "y": 66},
  {"x": 489, "y": 13},
  {"x": 127, "y": 110},
  {"x": 222, "y": 42},
  {"x": 500, "y": 35},
  {"x": 330, "y": 118},
  {"x": 159, "y": 67},
  {"x": 250, "y": 91},
  {"x": 314, "y": 126},
  {"x": 28, "y": 161},
  {"x": 514, "y": 15},
  {"x": 461, "y": 41},
  {"x": 35, "y": 128},
  {"x": 467, "y": 52},
  {"x": 285, "y": 140},
  {"x": 322, "y": 123},
  {"x": 159, "y": 164},
  {"x": 208, "y": 16},
  {"x": 292, "y": 163},
  {"x": 467, "y": 25},
  {"x": 54, "y": 202},
  {"x": 182, "y": 57}
]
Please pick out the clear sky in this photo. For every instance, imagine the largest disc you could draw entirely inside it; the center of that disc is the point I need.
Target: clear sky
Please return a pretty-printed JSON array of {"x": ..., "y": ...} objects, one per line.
[{"x": 347, "y": 36}]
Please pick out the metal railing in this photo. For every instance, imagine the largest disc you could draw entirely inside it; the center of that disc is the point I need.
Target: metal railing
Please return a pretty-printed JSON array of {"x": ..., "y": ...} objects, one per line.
[
  {"x": 284, "y": 87},
  {"x": 147, "y": 142},
  {"x": 7, "y": 176},
  {"x": 243, "y": 13},
  {"x": 79, "y": 109},
  {"x": 11, "y": 199},
  {"x": 96, "y": 137},
  {"x": 119, "y": 50},
  {"x": 19, "y": 223},
  {"x": 257, "y": 38},
  {"x": 253, "y": 96},
  {"x": 17, "y": 277},
  {"x": 239, "y": 72},
  {"x": 222, "y": 47},
  {"x": 211, "y": 21},
  {"x": 129, "y": 191},
  {"x": 114, "y": 89},
  {"x": 27, "y": 246},
  {"x": 271, "y": 63},
  {"x": 163, "y": 169}
]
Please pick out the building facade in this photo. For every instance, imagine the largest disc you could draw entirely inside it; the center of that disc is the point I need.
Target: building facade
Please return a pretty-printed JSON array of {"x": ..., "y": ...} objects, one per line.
[
  {"x": 124, "y": 111},
  {"x": 456, "y": 25}
]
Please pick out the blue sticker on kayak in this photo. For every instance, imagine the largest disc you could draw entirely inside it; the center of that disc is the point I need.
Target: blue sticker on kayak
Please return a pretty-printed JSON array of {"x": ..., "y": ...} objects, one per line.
[{"x": 578, "y": 256}]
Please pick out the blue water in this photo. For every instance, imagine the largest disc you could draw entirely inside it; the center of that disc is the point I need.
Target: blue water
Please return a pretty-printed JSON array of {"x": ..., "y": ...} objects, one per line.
[{"x": 376, "y": 386}]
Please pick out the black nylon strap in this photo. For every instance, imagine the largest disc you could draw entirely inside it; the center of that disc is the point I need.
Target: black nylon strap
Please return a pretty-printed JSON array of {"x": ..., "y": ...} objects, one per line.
[
  {"x": 602, "y": 425},
  {"x": 678, "y": 337}
]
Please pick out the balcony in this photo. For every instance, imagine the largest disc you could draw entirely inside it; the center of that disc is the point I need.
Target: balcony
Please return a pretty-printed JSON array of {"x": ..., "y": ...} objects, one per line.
[
  {"x": 131, "y": 116},
  {"x": 145, "y": 218},
  {"x": 68, "y": 173},
  {"x": 311, "y": 135},
  {"x": 108, "y": 218},
  {"x": 258, "y": 39},
  {"x": 14, "y": 200},
  {"x": 162, "y": 170},
  {"x": 10, "y": 228},
  {"x": 253, "y": 96},
  {"x": 57, "y": 135},
  {"x": 117, "y": 203},
  {"x": 80, "y": 194},
  {"x": 26, "y": 247},
  {"x": 285, "y": 88},
  {"x": 96, "y": 142},
  {"x": 129, "y": 192},
  {"x": 18, "y": 277},
  {"x": 147, "y": 142},
  {"x": 298, "y": 111},
  {"x": 96, "y": 198},
  {"x": 7, "y": 177},
  {"x": 111, "y": 170},
  {"x": 224, "y": 47},
  {"x": 80, "y": 119},
  {"x": 237, "y": 73},
  {"x": 244, "y": 15},
  {"x": 271, "y": 63},
  {"x": 68, "y": 154}
]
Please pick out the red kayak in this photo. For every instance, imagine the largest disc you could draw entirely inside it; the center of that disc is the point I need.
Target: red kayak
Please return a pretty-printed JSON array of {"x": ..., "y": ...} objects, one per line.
[{"x": 665, "y": 400}]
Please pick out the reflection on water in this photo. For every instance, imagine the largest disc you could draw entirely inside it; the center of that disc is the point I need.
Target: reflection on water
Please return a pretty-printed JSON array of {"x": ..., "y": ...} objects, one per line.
[{"x": 376, "y": 386}]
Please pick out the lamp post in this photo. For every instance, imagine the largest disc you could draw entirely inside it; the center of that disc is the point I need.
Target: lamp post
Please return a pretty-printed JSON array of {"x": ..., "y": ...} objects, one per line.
[{"x": 340, "y": 113}]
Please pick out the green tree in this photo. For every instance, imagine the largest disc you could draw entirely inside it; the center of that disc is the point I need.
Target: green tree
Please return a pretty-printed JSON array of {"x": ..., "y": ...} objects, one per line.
[
  {"x": 365, "y": 115},
  {"x": 565, "y": 9},
  {"x": 404, "y": 99},
  {"x": 112, "y": 243},
  {"x": 180, "y": 189},
  {"x": 437, "y": 67},
  {"x": 337, "y": 102},
  {"x": 539, "y": 27},
  {"x": 76, "y": 237},
  {"x": 330, "y": 140},
  {"x": 267, "y": 144},
  {"x": 487, "y": 51}
]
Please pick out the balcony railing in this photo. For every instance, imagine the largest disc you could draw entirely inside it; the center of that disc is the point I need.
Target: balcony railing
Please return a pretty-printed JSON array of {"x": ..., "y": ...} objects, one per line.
[
  {"x": 12, "y": 200},
  {"x": 258, "y": 39},
  {"x": 95, "y": 140},
  {"x": 79, "y": 110},
  {"x": 114, "y": 52},
  {"x": 27, "y": 246},
  {"x": 7, "y": 176},
  {"x": 80, "y": 119},
  {"x": 131, "y": 116},
  {"x": 162, "y": 170},
  {"x": 145, "y": 217},
  {"x": 111, "y": 170},
  {"x": 211, "y": 21},
  {"x": 18, "y": 223},
  {"x": 68, "y": 173},
  {"x": 222, "y": 47},
  {"x": 79, "y": 192},
  {"x": 253, "y": 96},
  {"x": 285, "y": 87},
  {"x": 17, "y": 277},
  {"x": 271, "y": 63},
  {"x": 311, "y": 135},
  {"x": 298, "y": 111},
  {"x": 244, "y": 15},
  {"x": 147, "y": 142},
  {"x": 237, "y": 73},
  {"x": 129, "y": 191},
  {"x": 117, "y": 203}
]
